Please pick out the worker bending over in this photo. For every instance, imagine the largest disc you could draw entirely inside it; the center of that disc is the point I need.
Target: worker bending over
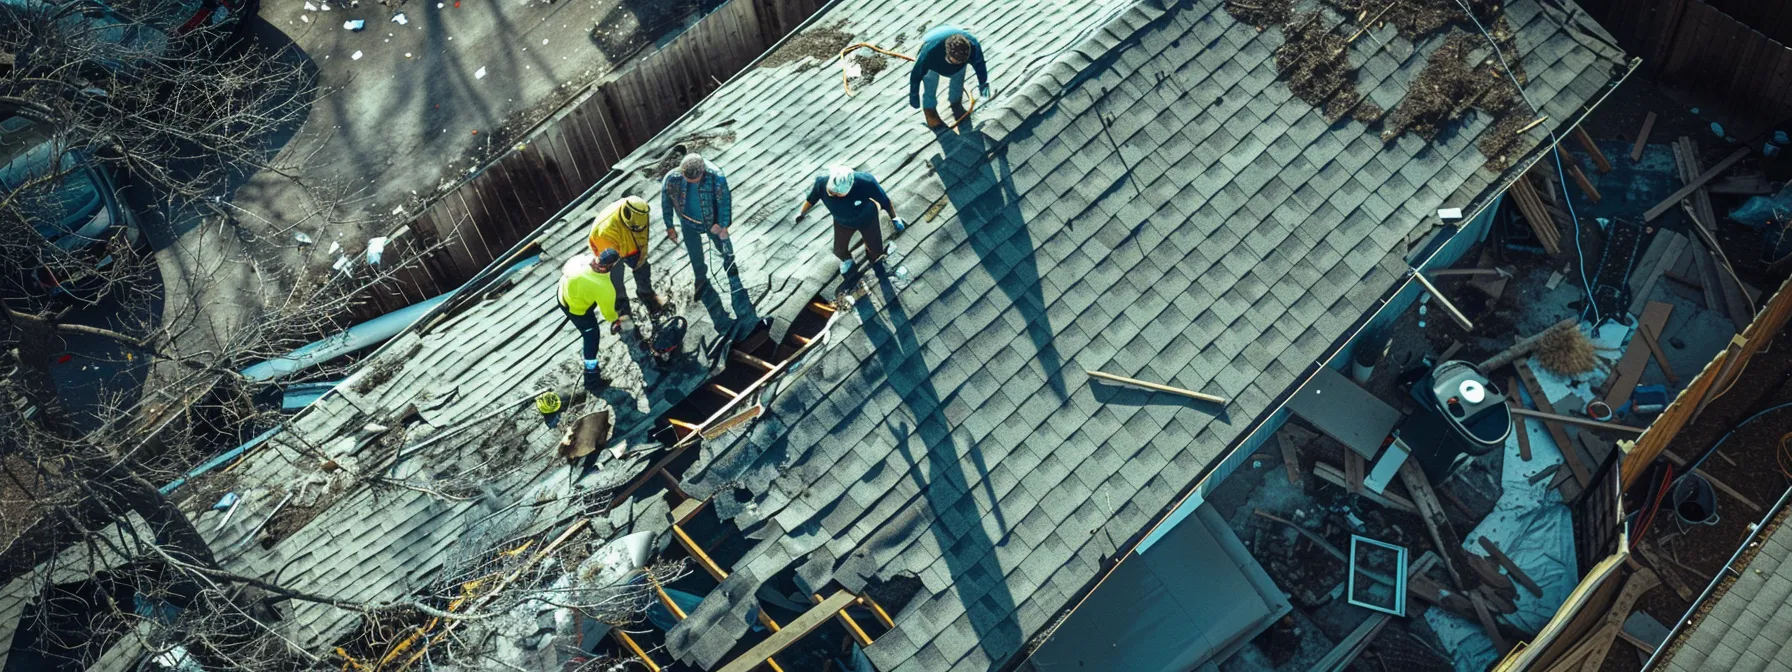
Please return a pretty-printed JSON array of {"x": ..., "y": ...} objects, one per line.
[
  {"x": 945, "y": 51},
  {"x": 694, "y": 197},
  {"x": 622, "y": 226},
  {"x": 588, "y": 293},
  {"x": 853, "y": 197}
]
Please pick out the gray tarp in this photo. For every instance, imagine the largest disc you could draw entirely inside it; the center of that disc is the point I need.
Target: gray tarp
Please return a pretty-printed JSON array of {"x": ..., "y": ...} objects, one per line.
[{"x": 1195, "y": 596}]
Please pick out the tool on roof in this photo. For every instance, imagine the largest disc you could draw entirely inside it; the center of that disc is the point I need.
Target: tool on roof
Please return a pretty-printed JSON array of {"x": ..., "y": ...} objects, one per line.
[
  {"x": 1154, "y": 386},
  {"x": 548, "y": 403},
  {"x": 848, "y": 69}
]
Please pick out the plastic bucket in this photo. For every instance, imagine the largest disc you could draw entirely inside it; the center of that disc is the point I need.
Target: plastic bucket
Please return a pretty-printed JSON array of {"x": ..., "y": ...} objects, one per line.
[{"x": 1695, "y": 502}]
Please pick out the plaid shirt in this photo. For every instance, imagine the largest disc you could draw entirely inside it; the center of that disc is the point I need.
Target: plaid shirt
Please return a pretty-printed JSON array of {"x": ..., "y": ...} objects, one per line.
[{"x": 712, "y": 193}]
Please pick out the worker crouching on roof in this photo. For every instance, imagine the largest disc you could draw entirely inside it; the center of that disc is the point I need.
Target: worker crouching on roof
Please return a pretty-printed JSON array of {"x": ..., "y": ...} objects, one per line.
[
  {"x": 587, "y": 294},
  {"x": 622, "y": 226},
  {"x": 694, "y": 197},
  {"x": 853, "y": 197},
  {"x": 945, "y": 51}
]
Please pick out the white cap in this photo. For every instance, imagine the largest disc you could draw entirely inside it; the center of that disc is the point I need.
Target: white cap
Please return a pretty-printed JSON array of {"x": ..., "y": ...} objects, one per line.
[{"x": 839, "y": 179}]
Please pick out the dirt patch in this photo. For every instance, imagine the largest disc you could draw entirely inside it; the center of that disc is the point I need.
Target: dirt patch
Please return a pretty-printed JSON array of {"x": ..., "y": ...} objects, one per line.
[
  {"x": 1315, "y": 61},
  {"x": 819, "y": 44},
  {"x": 1450, "y": 86},
  {"x": 1261, "y": 13},
  {"x": 1415, "y": 19},
  {"x": 870, "y": 64}
]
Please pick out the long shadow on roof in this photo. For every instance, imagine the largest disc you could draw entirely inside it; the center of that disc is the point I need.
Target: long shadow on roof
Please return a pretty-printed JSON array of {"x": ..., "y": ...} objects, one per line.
[
  {"x": 966, "y": 547},
  {"x": 981, "y": 189}
]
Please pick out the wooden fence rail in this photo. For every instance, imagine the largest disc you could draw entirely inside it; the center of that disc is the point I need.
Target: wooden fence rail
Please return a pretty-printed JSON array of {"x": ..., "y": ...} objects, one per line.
[
  {"x": 1716, "y": 378},
  {"x": 466, "y": 229}
]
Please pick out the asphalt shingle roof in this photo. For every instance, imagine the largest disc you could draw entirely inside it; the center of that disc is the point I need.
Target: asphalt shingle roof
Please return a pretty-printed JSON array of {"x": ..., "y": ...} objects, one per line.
[
  {"x": 1153, "y": 204},
  {"x": 1749, "y": 629},
  {"x": 1141, "y": 197}
]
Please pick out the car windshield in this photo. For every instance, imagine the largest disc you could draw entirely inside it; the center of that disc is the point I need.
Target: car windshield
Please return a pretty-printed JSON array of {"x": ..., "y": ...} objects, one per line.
[{"x": 58, "y": 208}]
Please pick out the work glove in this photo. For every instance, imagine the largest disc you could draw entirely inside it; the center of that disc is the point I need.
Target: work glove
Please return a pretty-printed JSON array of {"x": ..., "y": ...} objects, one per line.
[
  {"x": 983, "y": 91},
  {"x": 800, "y": 216},
  {"x": 616, "y": 327},
  {"x": 899, "y": 224}
]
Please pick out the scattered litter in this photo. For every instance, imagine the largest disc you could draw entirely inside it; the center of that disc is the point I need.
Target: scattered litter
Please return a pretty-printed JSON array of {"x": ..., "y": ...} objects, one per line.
[
  {"x": 440, "y": 5},
  {"x": 375, "y": 248},
  {"x": 544, "y": 40},
  {"x": 1450, "y": 213},
  {"x": 355, "y": 25},
  {"x": 305, "y": 18},
  {"x": 400, "y": 209},
  {"x": 355, "y": 56},
  {"x": 335, "y": 246},
  {"x": 1555, "y": 278},
  {"x": 342, "y": 264},
  {"x": 302, "y": 237},
  {"x": 325, "y": 6},
  {"x": 479, "y": 74},
  {"x": 226, "y": 502},
  {"x": 310, "y": 7},
  {"x": 1717, "y": 129},
  {"x": 407, "y": 54},
  {"x": 400, "y": 19}
]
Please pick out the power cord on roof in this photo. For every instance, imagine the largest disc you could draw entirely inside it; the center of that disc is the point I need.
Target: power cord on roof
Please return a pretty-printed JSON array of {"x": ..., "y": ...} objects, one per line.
[{"x": 1555, "y": 152}]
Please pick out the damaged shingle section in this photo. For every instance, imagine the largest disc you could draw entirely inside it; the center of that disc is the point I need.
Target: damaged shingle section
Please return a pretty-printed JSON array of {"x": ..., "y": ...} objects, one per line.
[
  {"x": 1154, "y": 204},
  {"x": 1749, "y": 627}
]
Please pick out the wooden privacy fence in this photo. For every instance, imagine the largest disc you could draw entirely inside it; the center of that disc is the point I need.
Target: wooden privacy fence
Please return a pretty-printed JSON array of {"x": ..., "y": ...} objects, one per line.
[
  {"x": 467, "y": 229},
  {"x": 1697, "y": 45},
  {"x": 1716, "y": 378}
]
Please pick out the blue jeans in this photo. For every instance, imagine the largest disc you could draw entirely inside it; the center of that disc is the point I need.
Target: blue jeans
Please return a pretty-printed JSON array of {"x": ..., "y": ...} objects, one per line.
[{"x": 954, "y": 88}]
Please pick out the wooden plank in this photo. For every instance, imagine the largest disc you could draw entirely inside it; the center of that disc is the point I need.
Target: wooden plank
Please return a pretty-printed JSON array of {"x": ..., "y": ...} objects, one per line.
[
  {"x": 1353, "y": 471},
  {"x": 1670, "y": 255},
  {"x": 1389, "y": 499},
  {"x": 1512, "y": 568},
  {"x": 1493, "y": 631},
  {"x": 1586, "y": 142},
  {"x": 1580, "y": 180},
  {"x": 1290, "y": 457},
  {"x": 1630, "y": 365},
  {"x": 1642, "y": 138},
  {"x": 1683, "y": 192},
  {"x": 1661, "y": 358},
  {"x": 1352, "y": 645},
  {"x": 1569, "y": 455},
  {"x": 795, "y": 630},
  {"x": 1437, "y": 523},
  {"x": 1531, "y": 206},
  {"x": 1675, "y": 583},
  {"x": 1154, "y": 386},
  {"x": 1602, "y": 639},
  {"x": 1519, "y": 424},
  {"x": 1577, "y": 420}
]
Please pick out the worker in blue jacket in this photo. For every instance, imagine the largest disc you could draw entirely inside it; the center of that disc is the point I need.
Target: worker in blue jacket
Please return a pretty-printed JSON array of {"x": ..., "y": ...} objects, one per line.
[
  {"x": 854, "y": 198},
  {"x": 945, "y": 51}
]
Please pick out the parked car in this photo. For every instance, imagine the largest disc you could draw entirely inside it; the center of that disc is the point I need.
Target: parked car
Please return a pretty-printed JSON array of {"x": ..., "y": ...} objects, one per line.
[{"x": 78, "y": 211}]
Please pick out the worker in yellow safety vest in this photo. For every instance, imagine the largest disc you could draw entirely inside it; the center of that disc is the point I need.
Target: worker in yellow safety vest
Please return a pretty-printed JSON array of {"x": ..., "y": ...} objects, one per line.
[
  {"x": 588, "y": 293},
  {"x": 622, "y": 226}
]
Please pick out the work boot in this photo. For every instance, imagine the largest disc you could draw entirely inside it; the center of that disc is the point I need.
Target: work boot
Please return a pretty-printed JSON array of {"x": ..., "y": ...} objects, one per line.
[
  {"x": 933, "y": 118},
  {"x": 958, "y": 112}
]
